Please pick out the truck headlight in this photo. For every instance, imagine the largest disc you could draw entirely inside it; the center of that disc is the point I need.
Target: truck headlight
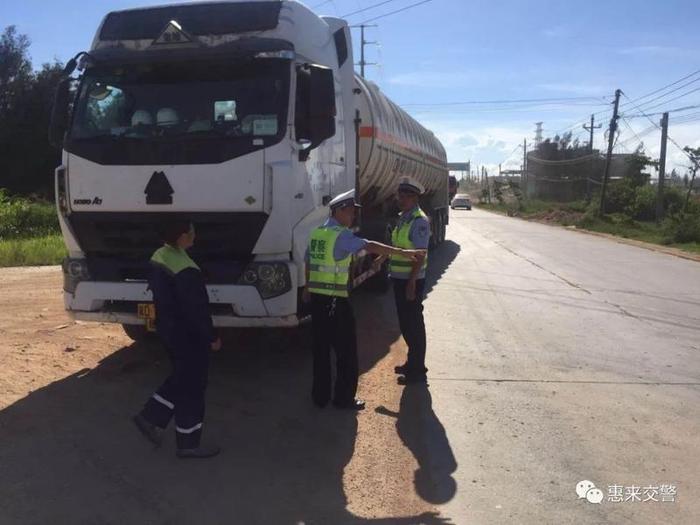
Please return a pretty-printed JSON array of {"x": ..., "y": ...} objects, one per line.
[
  {"x": 270, "y": 278},
  {"x": 74, "y": 271}
]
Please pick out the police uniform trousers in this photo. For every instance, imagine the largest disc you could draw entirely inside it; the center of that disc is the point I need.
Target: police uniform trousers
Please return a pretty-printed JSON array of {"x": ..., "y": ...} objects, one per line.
[
  {"x": 333, "y": 326},
  {"x": 410, "y": 314},
  {"x": 182, "y": 393}
]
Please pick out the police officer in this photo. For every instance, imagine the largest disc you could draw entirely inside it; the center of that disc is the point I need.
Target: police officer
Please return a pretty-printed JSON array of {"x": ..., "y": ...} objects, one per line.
[
  {"x": 185, "y": 327},
  {"x": 328, "y": 258},
  {"x": 411, "y": 232}
]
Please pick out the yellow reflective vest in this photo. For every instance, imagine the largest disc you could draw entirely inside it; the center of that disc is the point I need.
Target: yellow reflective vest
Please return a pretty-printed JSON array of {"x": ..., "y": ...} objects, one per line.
[
  {"x": 326, "y": 275},
  {"x": 399, "y": 264}
]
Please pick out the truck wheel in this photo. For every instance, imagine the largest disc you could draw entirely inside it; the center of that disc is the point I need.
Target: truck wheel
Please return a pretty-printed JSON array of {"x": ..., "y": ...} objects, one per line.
[
  {"x": 434, "y": 228},
  {"x": 443, "y": 229},
  {"x": 439, "y": 226},
  {"x": 138, "y": 332}
]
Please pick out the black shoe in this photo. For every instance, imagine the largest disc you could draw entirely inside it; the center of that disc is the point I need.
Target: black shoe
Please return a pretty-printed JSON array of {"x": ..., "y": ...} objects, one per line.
[
  {"x": 401, "y": 369},
  {"x": 355, "y": 404},
  {"x": 153, "y": 433},
  {"x": 200, "y": 452},
  {"x": 412, "y": 380}
]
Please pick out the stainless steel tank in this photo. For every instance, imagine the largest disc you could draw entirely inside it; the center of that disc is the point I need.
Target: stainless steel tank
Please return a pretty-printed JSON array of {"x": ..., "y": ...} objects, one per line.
[{"x": 392, "y": 144}]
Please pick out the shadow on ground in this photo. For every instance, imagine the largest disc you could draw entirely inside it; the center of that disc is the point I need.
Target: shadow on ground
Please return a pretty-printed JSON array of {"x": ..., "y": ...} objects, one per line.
[
  {"x": 69, "y": 453},
  {"x": 424, "y": 435},
  {"x": 440, "y": 260}
]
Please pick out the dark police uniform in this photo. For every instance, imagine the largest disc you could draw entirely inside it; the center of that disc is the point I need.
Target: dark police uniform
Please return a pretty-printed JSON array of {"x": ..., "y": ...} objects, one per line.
[
  {"x": 411, "y": 232},
  {"x": 185, "y": 327},
  {"x": 330, "y": 251}
]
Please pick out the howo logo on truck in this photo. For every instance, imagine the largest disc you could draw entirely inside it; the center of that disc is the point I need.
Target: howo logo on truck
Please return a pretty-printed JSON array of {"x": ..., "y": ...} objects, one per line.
[{"x": 88, "y": 202}]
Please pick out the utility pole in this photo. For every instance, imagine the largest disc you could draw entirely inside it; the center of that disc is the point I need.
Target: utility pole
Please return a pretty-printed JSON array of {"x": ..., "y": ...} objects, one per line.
[
  {"x": 662, "y": 169},
  {"x": 591, "y": 128},
  {"x": 363, "y": 43},
  {"x": 608, "y": 157},
  {"x": 488, "y": 188},
  {"x": 523, "y": 175}
]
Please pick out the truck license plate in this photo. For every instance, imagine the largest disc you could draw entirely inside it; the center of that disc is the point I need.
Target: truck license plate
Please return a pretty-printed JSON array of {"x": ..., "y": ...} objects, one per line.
[{"x": 147, "y": 311}]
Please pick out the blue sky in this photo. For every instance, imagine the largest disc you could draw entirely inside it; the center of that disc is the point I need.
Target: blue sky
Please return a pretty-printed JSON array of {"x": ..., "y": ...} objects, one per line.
[{"x": 453, "y": 51}]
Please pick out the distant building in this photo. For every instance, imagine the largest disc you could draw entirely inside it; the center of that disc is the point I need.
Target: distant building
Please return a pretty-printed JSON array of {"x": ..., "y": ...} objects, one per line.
[{"x": 571, "y": 179}]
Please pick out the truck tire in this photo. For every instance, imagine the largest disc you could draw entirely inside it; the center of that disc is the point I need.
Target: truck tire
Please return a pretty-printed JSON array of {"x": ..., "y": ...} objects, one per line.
[
  {"x": 437, "y": 230},
  {"x": 434, "y": 228},
  {"x": 138, "y": 332},
  {"x": 443, "y": 228}
]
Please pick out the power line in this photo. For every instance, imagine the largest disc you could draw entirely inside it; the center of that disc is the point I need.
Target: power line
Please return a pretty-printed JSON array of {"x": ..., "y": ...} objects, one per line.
[
  {"x": 367, "y": 8},
  {"x": 672, "y": 99},
  {"x": 659, "y": 127},
  {"x": 638, "y": 136},
  {"x": 664, "y": 87},
  {"x": 635, "y": 100},
  {"x": 639, "y": 139},
  {"x": 321, "y": 4},
  {"x": 646, "y": 104},
  {"x": 689, "y": 115},
  {"x": 684, "y": 108},
  {"x": 397, "y": 11},
  {"x": 503, "y": 101},
  {"x": 693, "y": 117}
]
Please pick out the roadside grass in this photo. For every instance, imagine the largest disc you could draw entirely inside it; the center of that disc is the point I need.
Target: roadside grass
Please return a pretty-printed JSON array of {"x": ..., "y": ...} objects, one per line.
[
  {"x": 578, "y": 214},
  {"x": 36, "y": 251},
  {"x": 29, "y": 232}
]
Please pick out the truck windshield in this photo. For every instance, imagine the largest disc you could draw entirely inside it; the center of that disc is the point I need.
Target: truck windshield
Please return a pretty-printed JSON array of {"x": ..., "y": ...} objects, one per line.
[{"x": 210, "y": 112}]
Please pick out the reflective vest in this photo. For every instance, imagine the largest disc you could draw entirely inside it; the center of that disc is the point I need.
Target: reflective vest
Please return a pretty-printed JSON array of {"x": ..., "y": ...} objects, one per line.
[
  {"x": 400, "y": 239},
  {"x": 326, "y": 275},
  {"x": 172, "y": 260}
]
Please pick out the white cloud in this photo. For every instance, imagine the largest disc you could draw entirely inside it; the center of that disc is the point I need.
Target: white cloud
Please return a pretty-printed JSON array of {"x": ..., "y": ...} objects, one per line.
[{"x": 489, "y": 143}]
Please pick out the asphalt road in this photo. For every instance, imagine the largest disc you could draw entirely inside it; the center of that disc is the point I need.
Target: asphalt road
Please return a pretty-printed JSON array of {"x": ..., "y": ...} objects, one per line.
[{"x": 556, "y": 357}]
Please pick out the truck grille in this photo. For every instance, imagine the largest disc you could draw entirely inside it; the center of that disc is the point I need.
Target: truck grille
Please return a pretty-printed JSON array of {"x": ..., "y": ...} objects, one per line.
[{"x": 118, "y": 246}]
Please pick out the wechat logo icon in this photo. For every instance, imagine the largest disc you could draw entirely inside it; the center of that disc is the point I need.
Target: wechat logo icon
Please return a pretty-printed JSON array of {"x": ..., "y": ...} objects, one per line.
[{"x": 587, "y": 490}]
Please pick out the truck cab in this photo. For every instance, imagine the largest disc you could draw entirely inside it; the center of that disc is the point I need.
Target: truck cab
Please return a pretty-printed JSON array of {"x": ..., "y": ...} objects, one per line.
[{"x": 237, "y": 115}]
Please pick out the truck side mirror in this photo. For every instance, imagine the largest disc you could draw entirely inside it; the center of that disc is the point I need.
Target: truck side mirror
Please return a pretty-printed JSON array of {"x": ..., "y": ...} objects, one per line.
[
  {"x": 315, "y": 106},
  {"x": 59, "y": 113}
]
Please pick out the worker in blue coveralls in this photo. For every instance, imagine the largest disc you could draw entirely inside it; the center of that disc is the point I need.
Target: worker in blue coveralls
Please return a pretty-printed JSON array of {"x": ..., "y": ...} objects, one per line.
[
  {"x": 328, "y": 258},
  {"x": 184, "y": 325},
  {"x": 408, "y": 277}
]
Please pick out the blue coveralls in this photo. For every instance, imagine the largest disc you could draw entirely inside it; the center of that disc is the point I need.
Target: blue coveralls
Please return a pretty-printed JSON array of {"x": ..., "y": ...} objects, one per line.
[{"x": 184, "y": 325}]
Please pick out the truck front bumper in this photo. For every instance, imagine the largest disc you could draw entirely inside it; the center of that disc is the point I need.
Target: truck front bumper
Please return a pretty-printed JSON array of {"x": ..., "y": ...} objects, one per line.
[
  {"x": 220, "y": 321},
  {"x": 231, "y": 305}
]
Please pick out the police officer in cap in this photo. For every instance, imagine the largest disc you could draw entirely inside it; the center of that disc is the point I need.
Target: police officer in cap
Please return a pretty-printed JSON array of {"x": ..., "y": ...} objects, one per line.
[
  {"x": 328, "y": 258},
  {"x": 408, "y": 276},
  {"x": 185, "y": 328}
]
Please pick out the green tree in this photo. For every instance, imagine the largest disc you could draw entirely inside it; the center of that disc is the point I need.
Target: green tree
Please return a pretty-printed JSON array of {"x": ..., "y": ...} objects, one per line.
[
  {"x": 27, "y": 160},
  {"x": 15, "y": 71}
]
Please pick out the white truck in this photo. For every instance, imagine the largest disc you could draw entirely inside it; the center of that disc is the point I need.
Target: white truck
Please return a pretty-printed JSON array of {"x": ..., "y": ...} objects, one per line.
[{"x": 244, "y": 116}]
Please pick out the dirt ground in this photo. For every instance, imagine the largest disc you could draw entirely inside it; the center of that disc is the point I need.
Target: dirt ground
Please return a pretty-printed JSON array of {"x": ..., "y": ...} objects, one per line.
[{"x": 69, "y": 452}]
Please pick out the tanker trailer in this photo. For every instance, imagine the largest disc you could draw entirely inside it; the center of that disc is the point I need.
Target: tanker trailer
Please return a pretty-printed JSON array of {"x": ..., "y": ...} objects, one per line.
[{"x": 391, "y": 144}]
